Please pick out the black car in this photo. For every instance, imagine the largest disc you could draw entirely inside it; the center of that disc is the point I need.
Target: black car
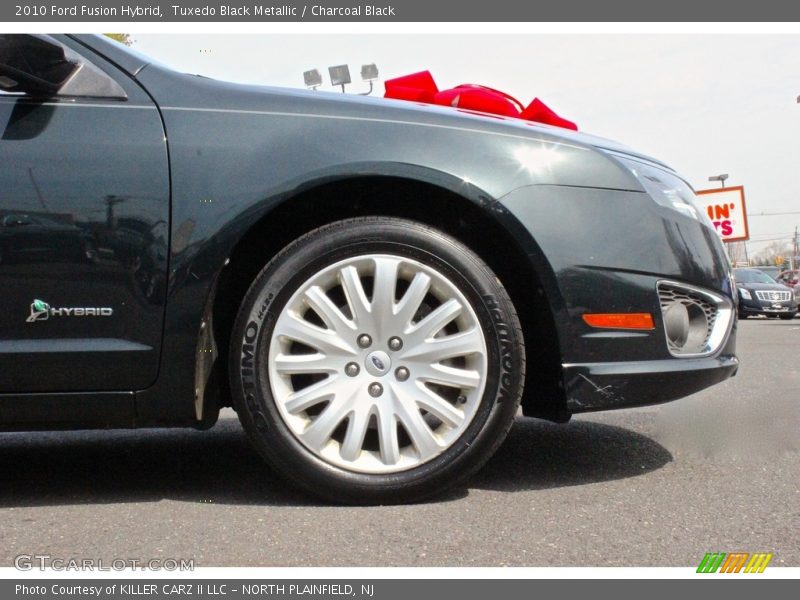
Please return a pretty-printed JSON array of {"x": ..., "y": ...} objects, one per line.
[
  {"x": 760, "y": 294},
  {"x": 30, "y": 237},
  {"x": 371, "y": 284}
]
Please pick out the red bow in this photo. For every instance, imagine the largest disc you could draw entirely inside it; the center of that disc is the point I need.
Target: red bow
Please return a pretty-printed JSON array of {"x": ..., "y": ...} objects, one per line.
[{"x": 420, "y": 87}]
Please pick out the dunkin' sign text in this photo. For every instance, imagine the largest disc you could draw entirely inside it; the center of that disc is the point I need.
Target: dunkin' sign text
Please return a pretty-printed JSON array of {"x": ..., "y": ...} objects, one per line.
[{"x": 726, "y": 209}]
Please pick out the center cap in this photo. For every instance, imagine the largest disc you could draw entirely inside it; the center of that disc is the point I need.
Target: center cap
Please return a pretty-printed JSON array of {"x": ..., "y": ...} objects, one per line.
[{"x": 378, "y": 363}]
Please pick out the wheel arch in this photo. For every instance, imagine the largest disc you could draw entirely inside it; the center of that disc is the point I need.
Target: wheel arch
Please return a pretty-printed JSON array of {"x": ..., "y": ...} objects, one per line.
[{"x": 459, "y": 209}]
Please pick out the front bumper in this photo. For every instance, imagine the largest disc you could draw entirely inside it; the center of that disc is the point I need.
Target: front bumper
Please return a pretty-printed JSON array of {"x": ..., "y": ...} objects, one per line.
[
  {"x": 766, "y": 307},
  {"x": 618, "y": 247},
  {"x": 604, "y": 386}
]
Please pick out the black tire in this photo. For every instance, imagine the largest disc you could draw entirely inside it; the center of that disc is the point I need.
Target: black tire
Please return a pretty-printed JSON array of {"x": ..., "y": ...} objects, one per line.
[
  {"x": 310, "y": 255},
  {"x": 786, "y": 317},
  {"x": 743, "y": 316}
]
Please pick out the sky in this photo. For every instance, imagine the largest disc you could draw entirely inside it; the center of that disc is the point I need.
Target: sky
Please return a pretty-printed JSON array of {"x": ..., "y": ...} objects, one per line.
[{"x": 703, "y": 103}]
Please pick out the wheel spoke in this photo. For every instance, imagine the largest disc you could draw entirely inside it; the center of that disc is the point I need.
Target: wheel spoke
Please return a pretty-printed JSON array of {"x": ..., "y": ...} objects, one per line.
[
  {"x": 309, "y": 396},
  {"x": 384, "y": 285},
  {"x": 328, "y": 311},
  {"x": 449, "y": 376},
  {"x": 434, "y": 322},
  {"x": 322, "y": 340},
  {"x": 410, "y": 302},
  {"x": 421, "y": 435},
  {"x": 383, "y": 289},
  {"x": 441, "y": 408},
  {"x": 438, "y": 349},
  {"x": 356, "y": 297},
  {"x": 318, "y": 434},
  {"x": 304, "y": 363},
  {"x": 387, "y": 435},
  {"x": 354, "y": 438}
]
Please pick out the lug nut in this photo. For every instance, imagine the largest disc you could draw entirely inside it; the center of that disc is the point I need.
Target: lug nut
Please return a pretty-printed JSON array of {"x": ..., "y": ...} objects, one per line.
[
  {"x": 401, "y": 373},
  {"x": 364, "y": 340},
  {"x": 461, "y": 399},
  {"x": 375, "y": 389},
  {"x": 351, "y": 369},
  {"x": 395, "y": 343}
]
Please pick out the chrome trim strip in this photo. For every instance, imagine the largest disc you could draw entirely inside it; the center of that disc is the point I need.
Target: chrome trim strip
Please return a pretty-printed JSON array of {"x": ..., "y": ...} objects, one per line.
[{"x": 67, "y": 103}]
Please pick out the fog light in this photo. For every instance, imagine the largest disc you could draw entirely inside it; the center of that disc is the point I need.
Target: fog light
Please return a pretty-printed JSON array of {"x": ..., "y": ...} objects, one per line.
[
  {"x": 699, "y": 327},
  {"x": 696, "y": 322},
  {"x": 676, "y": 323}
]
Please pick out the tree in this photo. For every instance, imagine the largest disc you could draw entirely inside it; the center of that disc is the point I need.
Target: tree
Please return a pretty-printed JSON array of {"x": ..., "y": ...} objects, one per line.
[
  {"x": 123, "y": 38},
  {"x": 774, "y": 250}
]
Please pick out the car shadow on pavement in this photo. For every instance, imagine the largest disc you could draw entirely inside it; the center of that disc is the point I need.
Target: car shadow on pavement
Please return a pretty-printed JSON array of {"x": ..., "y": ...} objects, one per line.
[
  {"x": 541, "y": 455},
  {"x": 220, "y": 467},
  {"x": 146, "y": 465}
]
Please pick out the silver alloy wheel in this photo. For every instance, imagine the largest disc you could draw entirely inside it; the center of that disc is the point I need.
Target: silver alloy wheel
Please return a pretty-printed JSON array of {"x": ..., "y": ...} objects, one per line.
[{"x": 407, "y": 402}]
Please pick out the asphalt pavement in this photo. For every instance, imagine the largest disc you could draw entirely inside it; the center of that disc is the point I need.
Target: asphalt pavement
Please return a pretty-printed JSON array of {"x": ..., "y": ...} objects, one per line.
[{"x": 656, "y": 486}]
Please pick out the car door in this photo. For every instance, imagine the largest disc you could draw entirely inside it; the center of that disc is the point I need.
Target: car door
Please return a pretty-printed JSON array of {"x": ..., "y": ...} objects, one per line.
[{"x": 84, "y": 222}]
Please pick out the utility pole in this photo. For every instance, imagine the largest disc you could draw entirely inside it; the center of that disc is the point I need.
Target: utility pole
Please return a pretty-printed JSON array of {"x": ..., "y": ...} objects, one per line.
[{"x": 793, "y": 262}]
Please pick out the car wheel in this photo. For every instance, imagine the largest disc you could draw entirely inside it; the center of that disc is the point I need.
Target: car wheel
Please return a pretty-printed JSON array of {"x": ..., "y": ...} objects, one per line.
[
  {"x": 377, "y": 360},
  {"x": 786, "y": 317},
  {"x": 743, "y": 315}
]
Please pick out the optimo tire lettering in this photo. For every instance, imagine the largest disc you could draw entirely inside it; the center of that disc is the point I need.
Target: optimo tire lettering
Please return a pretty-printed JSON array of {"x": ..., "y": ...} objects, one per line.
[
  {"x": 248, "y": 352},
  {"x": 248, "y": 375}
]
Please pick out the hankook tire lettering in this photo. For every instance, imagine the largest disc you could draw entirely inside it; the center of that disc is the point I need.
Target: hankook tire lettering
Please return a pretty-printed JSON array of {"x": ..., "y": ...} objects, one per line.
[{"x": 506, "y": 349}]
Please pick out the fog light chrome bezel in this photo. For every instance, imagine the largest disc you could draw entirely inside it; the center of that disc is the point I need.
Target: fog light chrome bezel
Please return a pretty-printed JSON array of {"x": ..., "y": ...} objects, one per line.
[{"x": 720, "y": 329}]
